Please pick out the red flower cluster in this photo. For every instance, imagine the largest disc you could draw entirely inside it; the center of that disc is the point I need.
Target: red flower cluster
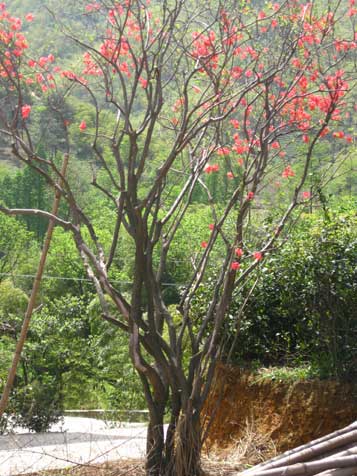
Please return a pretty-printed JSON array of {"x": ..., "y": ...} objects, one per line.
[
  {"x": 211, "y": 168},
  {"x": 25, "y": 111},
  {"x": 288, "y": 172}
]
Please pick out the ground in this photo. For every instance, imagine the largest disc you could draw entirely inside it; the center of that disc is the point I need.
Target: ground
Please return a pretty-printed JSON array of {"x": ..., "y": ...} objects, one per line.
[
  {"x": 75, "y": 442},
  {"x": 255, "y": 418},
  {"x": 132, "y": 467},
  {"x": 90, "y": 447}
]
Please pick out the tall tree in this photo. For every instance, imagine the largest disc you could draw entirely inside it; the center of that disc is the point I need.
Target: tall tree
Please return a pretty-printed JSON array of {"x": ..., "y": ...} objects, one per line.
[{"x": 222, "y": 87}]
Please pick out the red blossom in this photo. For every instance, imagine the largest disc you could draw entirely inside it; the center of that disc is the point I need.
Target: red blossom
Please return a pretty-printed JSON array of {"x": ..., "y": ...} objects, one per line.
[
  {"x": 235, "y": 265},
  {"x": 250, "y": 195},
  {"x": 204, "y": 244},
  {"x": 29, "y": 17},
  {"x": 211, "y": 168},
  {"x": 91, "y": 7},
  {"x": 238, "y": 252},
  {"x": 25, "y": 111},
  {"x": 258, "y": 255},
  {"x": 235, "y": 123},
  {"x": 288, "y": 172},
  {"x": 339, "y": 135},
  {"x": 223, "y": 151},
  {"x": 306, "y": 195},
  {"x": 83, "y": 126},
  {"x": 42, "y": 61},
  {"x": 143, "y": 82}
]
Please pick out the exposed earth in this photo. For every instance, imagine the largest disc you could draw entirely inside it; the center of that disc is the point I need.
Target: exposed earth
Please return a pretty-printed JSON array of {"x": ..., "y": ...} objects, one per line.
[{"x": 290, "y": 413}]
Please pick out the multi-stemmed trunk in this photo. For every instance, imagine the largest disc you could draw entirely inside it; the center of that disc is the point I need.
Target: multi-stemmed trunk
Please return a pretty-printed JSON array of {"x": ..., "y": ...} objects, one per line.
[{"x": 176, "y": 452}]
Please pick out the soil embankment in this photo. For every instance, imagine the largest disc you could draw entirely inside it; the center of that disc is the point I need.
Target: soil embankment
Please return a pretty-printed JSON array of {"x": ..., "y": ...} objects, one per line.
[{"x": 290, "y": 412}]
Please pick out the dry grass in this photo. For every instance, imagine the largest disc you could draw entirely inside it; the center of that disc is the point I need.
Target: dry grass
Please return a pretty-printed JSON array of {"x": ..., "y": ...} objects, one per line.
[
  {"x": 252, "y": 449},
  {"x": 130, "y": 467}
]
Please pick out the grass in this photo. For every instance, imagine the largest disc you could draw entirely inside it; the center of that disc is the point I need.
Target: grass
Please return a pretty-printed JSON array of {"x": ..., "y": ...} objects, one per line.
[
  {"x": 286, "y": 374},
  {"x": 253, "y": 448}
]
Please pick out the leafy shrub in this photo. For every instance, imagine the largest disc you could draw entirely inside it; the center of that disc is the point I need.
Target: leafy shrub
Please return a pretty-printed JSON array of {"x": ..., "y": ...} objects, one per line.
[
  {"x": 38, "y": 405},
  {"x": 304, "y": 307},
  {"x": 56, "y": 345}
]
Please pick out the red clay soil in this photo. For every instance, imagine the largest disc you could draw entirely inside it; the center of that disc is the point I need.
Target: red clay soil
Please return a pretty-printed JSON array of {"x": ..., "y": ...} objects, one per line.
[{"x": 291, "y": 413}]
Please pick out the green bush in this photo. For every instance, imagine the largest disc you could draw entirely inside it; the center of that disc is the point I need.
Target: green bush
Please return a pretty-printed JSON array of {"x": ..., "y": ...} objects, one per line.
[
  {"x": 303, "y": 310},
  {"x": 38, "y": 405},
  {"x": 56, "y": 347}
]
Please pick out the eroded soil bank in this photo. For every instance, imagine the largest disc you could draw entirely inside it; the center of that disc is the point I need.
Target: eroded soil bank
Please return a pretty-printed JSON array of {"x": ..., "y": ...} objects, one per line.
[{"x": 290, "y": 412}]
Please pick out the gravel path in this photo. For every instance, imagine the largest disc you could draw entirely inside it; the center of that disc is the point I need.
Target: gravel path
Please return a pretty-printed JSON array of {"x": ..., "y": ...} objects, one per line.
[{"x": 76, "y": 441}]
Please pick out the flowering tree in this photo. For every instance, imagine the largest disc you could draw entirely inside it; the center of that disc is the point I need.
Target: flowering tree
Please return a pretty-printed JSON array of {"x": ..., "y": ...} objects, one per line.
[{"x": 224, "y": 87}]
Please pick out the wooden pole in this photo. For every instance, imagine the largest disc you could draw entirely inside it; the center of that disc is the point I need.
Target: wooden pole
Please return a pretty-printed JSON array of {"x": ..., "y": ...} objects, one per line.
[
  {"x": 292, "y": 456},
  {"x": 31, "y": 304}
]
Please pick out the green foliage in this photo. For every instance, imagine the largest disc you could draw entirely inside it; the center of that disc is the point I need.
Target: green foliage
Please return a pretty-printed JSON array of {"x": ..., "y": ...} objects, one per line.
[
  {"x": 302, "y": 312},
  {"x": 56, "y": 348},
  {"x": 59, "y": 343},
  {"x": 26, "y": 189},
  {"x": 285, "y": 374},
  {"x": 38, "y": 405},
  {"x": 65, "y": 266},
  {"x": 304, "y": 306},
  {"x": 118, "y": 385},
  {"x": 13, "y": 301},
  {"x": 17, "y": 246}
]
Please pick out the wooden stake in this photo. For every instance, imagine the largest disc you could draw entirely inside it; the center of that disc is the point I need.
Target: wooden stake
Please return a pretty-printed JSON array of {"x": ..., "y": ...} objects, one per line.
[{"x": 32, "y": 300}]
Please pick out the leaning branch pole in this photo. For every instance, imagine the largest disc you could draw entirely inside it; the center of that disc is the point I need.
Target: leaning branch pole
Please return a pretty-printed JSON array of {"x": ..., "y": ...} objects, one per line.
[{"x": 32, "y": 301}]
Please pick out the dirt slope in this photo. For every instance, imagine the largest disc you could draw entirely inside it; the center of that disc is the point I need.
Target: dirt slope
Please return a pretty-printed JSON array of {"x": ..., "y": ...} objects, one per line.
[{"x": 292, "y": 413}]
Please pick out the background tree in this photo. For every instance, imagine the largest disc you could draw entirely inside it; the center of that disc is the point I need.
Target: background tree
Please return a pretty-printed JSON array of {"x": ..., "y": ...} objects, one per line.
[
  {"x": 17, "y": 247},
  {"x": 233, "y": 91}
]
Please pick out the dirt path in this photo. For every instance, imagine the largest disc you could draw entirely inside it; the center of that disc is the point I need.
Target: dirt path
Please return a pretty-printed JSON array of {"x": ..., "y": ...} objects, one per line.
[{"x": 76, "y": 441}]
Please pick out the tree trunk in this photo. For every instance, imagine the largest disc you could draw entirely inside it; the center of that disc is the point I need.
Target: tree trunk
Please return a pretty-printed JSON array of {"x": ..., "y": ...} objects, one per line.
[
  {"x": 187, "y": 457},
  {"x": 155, "y": 444},
  {"x": 182, "y": 457}
]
